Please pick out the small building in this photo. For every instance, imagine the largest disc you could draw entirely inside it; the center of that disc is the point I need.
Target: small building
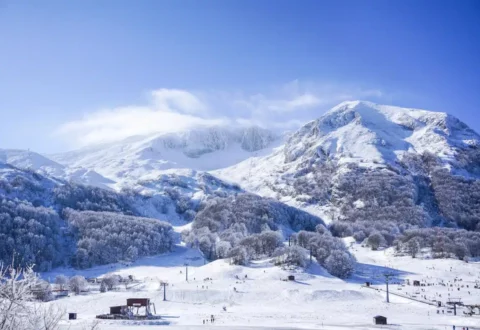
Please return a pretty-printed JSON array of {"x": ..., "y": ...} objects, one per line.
[
  {"x": 291, "y": 278},
  {"x": 416, "y": 283},
  {"x": 118, "y": 310},
  {"x": 379, "y": 319},
  {"x": 367, "y": 284},
  {"x": 72, "y": 316}
]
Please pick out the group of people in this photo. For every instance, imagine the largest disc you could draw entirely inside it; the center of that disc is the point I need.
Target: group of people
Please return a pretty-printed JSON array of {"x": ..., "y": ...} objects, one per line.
[{"x": 212, "y": 320}]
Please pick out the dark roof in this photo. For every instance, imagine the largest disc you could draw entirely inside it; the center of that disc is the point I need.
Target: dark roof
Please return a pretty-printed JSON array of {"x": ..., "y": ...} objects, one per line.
[{"x": 379, "y": 316}]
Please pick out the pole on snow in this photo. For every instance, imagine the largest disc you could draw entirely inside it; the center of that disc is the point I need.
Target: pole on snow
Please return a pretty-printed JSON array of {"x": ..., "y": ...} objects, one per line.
[
  {"x": 387, "y": 279},
  {"x": 164, "y": 284},
  {"x": 186, "y": 272}
]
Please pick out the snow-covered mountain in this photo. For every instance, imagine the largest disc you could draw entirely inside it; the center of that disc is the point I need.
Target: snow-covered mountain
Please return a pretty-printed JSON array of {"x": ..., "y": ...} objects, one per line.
[
  {"x": 140, "y": 157},
  {"x": 367, "y": 132},
  {"x": 307, "y": 170},
  {"x": 374, "y": 172},
  {"x": 25, "y": 159},
  {"x": 359, "y": 157}
]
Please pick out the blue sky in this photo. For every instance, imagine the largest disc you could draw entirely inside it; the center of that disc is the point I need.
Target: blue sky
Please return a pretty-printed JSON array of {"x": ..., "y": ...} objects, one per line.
[{"x": 79, "y": 72}]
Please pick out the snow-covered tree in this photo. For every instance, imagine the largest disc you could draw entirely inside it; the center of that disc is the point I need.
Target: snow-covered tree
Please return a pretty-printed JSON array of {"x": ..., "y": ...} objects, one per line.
[
  {"x": 340, "y": 264},
  {"x": 111, "y": 281},
  {"x": 77, "y": 284},
  {"x": 375, "y": 240},
  {"x": 291, "y": 255},
  {"x": 132, "y": 253},
  {"x": 239, "y": 256},
  {"x": 414, "y": 246},
  {"x": 61, "y": 281},
  {"x": 223, "y": 249},
  {"x": 15, "y": 296},
  {"x": 103, "y": 287}
]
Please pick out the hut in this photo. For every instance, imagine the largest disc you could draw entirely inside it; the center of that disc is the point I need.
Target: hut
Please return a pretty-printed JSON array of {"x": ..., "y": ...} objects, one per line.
[
  {"x": 291, "y": 278},
  {"x": 416, "y": 283},
  {"x": 379, "y": 319},
  {"x": 72, "y": 316},
  {"x": 118, "y": 310},
  {"x": 130, "y": 311},
  {"x": 367, "y": 284}
]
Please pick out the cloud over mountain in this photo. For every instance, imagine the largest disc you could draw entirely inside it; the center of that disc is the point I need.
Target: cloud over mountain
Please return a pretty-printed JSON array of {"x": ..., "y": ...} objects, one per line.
[{"x": 172, "y": 110}]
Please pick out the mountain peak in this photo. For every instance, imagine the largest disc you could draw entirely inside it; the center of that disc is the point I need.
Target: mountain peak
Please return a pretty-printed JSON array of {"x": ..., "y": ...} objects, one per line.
[{"x": 369, "y": 132}]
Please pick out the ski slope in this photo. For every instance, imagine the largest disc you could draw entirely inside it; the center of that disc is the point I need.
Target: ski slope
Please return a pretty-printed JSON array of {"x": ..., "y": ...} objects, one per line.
[{"x": 261, "y": 300}]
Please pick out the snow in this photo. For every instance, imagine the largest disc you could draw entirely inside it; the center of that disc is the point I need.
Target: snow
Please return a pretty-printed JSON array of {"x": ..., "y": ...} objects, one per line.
[
  {"x": 370, "y": 135},
  {"x": 315, "y": 300},
  {"x": 25, "y": 159},
  {"x": 367, "y": 134},
  {"x": 145, "y": 156}
]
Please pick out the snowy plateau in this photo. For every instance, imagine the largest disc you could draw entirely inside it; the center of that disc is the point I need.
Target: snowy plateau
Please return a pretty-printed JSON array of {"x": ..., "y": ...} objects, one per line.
[{"x": 362, "y": 193}]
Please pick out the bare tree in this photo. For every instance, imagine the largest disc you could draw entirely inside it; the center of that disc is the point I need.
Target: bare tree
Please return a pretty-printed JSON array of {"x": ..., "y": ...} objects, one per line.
[
  {"x": 44, "y": 317},
  {"x": 94, "y": 325}
]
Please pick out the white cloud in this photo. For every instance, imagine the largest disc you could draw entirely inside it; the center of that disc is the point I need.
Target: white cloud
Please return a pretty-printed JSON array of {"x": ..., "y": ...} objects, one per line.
[
  {"x": 169, "y": 110},
  {"x": 177, "y": 100}
]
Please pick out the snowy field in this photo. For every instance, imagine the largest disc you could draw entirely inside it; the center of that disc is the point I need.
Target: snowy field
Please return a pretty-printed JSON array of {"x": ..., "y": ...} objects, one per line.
[{"x": 256, "y": 297}]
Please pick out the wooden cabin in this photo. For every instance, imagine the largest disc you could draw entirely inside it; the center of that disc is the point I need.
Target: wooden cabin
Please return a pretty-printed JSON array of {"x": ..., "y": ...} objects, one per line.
[{"x": 379, "y": 319}]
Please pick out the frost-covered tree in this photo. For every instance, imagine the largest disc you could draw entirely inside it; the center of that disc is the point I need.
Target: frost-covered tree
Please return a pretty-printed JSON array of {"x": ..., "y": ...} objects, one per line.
[
  {"x": 103, "y": 287},
  {"x": 77, "y": 284},
  {"x": 291, "y": 255},
  {"x": 375, "y": 240},
  {"x": 111, "y": 281},
  {"x": 223, "y": 249},
  {"x": 239, "y": 256},
  {"x": 61, "y": 281},
  {"x": 16, "y": 294},
  {"x": 132, "y": 253},
  {"x": 340, "y": 264},
  {"x": 104, "y": 237},
  {"x": 30, "y": 233},
  {"x": 443, "y": 242},
  {"x": 414, "y": 246}
]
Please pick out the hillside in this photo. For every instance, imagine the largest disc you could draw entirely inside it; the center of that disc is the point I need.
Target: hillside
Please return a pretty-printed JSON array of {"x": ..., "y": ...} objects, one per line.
[
  {"x": 35, "y": 162},
  {"x": 203, "y": 148},
  {"x": 363, "y": 161},
  {"x": 50, "y": 222},
  {"x": 370, "y": 171}
]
